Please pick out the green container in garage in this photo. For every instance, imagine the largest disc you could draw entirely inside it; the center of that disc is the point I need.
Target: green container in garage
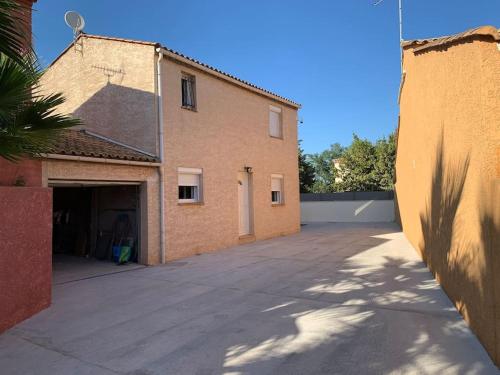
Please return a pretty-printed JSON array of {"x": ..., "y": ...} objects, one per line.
[{"x": 124, "y": 254}]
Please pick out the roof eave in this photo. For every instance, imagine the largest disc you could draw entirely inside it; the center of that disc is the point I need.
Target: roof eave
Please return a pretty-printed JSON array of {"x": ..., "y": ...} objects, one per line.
[
  {"x": 234, "y": 80},
  {"x": 94, "y": 159}
]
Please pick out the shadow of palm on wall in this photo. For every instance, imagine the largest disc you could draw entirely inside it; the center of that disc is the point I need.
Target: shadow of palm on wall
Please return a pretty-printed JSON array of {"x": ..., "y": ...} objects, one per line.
[{"x": 462, "y": 260}]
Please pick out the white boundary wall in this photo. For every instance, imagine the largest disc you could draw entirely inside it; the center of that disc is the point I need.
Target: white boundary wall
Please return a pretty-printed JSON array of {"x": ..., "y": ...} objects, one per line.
[{"x": 361, "y": 211}]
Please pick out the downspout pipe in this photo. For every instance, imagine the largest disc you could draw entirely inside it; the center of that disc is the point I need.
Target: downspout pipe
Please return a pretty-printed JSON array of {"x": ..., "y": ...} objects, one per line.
[{"x": 161, "y": 155}]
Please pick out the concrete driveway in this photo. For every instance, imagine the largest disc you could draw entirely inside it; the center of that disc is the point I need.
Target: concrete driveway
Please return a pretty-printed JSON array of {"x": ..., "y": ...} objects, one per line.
[{"x": 335, "y": 299}]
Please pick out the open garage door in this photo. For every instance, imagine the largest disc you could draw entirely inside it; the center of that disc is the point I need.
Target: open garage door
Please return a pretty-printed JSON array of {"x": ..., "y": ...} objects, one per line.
[{"x": 95, "y": 229}]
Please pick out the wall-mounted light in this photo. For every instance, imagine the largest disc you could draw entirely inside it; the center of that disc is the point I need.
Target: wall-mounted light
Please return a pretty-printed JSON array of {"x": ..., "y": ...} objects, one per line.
[{"x": 248, "y": 169}]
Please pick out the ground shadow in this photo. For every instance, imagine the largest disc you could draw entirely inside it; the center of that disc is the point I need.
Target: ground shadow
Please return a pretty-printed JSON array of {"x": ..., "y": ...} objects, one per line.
[
  {"x": 335, "y": 299},
  {"x": 356, "y": 332}
]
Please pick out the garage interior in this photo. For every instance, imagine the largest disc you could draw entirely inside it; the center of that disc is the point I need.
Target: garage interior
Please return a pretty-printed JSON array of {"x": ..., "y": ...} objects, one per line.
[{"x": 95, "y": 228}]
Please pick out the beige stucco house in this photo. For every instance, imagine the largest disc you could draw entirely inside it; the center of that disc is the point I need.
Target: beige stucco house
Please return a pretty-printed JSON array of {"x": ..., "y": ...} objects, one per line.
[{"x": 198, "y": 159}]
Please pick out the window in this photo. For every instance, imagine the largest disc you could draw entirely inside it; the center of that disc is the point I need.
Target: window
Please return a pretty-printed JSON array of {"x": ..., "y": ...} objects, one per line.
[
  {"x": 277, "y": 189},
  {"x": 189, "y": 185},
  {"x": 275, "y": 127},
  {"x": 188, "y": 91}
]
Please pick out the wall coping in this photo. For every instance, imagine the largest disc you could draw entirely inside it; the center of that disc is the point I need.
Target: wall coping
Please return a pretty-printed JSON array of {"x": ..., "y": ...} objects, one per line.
[{"x": 347, "y": 196}]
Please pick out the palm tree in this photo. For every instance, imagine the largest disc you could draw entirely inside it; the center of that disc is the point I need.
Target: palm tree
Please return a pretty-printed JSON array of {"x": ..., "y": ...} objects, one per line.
[
  {"x": 29, "y": 122},
  {"x": 13, "y": 38}
]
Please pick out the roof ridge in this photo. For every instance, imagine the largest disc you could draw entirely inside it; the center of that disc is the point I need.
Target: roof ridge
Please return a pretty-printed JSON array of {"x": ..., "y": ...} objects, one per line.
[
  {"x": 252, "y": 86},
  {"x": 423, "y": 44},
  {"x": 95, "y": 36}
]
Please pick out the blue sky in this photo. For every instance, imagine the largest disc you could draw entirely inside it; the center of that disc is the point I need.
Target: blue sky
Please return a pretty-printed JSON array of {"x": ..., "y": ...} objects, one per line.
[{"x": 338, "y": 58}]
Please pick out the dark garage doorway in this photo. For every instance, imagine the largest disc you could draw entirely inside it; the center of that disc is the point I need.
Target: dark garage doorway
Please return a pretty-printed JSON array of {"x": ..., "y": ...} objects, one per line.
[{"x": 95, "y": 228}]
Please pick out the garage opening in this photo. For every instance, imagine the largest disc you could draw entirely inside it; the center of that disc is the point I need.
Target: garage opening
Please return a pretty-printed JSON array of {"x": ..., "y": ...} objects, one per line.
[{"x": 95, "y": 229}]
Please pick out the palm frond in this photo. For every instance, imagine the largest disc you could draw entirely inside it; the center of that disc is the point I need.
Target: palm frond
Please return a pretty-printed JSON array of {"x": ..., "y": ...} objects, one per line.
[
  {"x": 16, "y": 83},
  {"x": 29, "y": 120},
  {"x": 15, "y": 33}
]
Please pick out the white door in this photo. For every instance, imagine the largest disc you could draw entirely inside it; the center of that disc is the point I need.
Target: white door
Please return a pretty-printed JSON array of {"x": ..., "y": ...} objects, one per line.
[{"x": 244, "y": 203}]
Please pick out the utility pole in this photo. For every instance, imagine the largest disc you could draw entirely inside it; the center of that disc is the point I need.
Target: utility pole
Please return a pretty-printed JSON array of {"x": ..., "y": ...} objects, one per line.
[{"x": 400, "y": 3}]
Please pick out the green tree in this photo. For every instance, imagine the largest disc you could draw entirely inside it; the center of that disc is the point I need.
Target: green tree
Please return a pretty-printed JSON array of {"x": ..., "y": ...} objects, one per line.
[
  {"x": 363, "y": 166},
  {"x": 324, "y": 170},
  {"x": 385, "y": 152},
  {"x": 358, "y": 166},
  {"x": 29, "y": 123},
  {"x": 306, "y": 172}
]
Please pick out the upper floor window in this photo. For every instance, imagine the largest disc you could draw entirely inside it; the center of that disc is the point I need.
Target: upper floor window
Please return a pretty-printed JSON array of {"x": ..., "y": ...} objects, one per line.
[
  {"x": 190, "y": 185},
  {"x": 275, "y": 123},
  {"x": 188, "y": 86}
]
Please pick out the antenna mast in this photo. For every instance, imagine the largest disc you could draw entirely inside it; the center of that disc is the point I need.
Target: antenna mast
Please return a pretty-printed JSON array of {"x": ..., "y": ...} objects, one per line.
[{"x": 400, "y": 3}]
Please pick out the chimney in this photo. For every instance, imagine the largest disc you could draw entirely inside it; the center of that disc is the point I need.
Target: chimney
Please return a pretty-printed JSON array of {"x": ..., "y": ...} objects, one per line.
[{"x": 25, "y": 13}]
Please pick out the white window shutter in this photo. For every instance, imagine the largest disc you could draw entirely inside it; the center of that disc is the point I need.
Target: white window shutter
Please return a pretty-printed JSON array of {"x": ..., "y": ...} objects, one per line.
[
  {"x": 276, "y": 183},
  {"x": 186, "y": 179},
  {"x": 275, "y": 122}
]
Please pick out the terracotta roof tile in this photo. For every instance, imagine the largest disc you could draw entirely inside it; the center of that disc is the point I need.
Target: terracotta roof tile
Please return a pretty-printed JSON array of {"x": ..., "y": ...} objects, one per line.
[
  {"x": 425, "y": 44},
  {"x": 82, "y": 143}
]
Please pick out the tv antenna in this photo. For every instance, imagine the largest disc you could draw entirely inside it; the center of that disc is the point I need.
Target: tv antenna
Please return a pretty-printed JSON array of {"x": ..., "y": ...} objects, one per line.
[
  {"x": 75, "y": 21},
  {"x": 400, "y": 28}
]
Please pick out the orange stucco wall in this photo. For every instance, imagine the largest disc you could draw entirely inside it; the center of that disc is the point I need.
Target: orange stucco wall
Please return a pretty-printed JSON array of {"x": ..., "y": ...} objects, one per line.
[{"x": 448, "y": 185}]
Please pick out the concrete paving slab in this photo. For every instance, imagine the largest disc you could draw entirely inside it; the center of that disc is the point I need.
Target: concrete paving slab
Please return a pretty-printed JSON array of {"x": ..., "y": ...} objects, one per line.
[
  {"x": 67, "y": 268},
  {"x": 334, "y": 299}
]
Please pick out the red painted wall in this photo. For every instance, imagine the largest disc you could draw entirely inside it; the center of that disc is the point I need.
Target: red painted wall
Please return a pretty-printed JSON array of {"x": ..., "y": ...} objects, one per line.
[
  {"x": 25, "y": 253},
  {"x": 29, "y": 170}
]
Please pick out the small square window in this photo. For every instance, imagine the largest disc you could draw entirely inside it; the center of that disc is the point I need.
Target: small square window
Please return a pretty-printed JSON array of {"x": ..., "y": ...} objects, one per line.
[
  {"x": 188, "y": 88},
  {"x": 189, "y": 181},
  {"x": 188, "y": 193},
  {"x": 275, "y": 123},
  {"x": 277, "y": 189}
]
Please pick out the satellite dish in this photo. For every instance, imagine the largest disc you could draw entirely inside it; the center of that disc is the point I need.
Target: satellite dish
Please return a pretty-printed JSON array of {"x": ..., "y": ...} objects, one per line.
[{"x": 75, "y": 21}]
